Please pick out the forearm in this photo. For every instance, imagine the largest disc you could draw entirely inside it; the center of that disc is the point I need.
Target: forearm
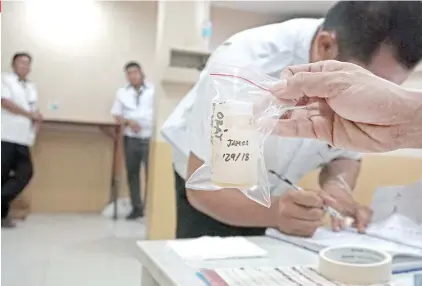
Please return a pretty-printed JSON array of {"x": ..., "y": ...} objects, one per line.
[
  {"x": 14, "y": 108},
  {"x": 120, "y": 120},
  {"x": 146, "y": 121},
  {"x": 231, "y": 207},
  {"x": 348, "y": 169}
]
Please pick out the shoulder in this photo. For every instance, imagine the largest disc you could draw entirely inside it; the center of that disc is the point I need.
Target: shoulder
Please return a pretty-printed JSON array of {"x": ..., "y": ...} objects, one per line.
[
  {"x": 8, "y": 78},
  {"x": 121, "y": 92},
  {"x": 276, "y": 38},
  {"x": 301, "y": 23},
  {"x": 289, "y": 27}
]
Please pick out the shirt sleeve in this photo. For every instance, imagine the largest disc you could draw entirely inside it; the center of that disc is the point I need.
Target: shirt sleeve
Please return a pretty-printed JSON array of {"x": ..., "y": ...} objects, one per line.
[
  {"x": 272, "y": 63},
  {"x": 346, "y": 154},
  {"x": 33, "y": 100},
  {"x": 34, "y": 95},
  {"x": 117, "y": 108},
  {"x": 197, "y": 121},
  {"x": 6, "y": 93},
  {"x": 148, "y": 114}
]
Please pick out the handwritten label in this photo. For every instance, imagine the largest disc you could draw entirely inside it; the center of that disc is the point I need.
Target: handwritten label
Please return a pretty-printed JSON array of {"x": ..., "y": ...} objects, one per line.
[
  {"x": 217, "y": 124},
  {"x": 235, "y": 157},
  {"x": 232, "y": 142},
  {"x": 235, "y": 147}
]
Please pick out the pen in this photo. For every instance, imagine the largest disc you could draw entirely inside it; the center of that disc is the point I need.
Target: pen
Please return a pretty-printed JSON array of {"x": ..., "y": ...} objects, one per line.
[
  {"x": 203, "y": 278},
  {"x": 330, "y": 210}
]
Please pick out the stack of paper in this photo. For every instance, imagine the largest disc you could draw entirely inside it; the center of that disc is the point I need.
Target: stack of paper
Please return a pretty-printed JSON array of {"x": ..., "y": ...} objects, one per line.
[
  {"x": 396, "y": 228},
  {"x": 281, "y": 276},
  {"x": 205, "y": 248},
  {"x": 404, "y": 200}
]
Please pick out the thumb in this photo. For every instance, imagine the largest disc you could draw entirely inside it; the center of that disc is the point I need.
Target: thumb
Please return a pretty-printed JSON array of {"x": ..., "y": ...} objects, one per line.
[
  {"x": 295, "y": 124},
  {"x": 305, "y": 84}
]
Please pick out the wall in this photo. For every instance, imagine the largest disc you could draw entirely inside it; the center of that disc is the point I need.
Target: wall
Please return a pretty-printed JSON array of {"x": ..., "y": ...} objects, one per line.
[
  {"x": 79, "y": 64},
  {"x": 227, "y": 22}
]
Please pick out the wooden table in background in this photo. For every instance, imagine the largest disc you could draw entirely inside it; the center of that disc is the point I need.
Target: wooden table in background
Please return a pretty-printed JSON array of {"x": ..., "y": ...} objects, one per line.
[{"x": 112, "y": 130}]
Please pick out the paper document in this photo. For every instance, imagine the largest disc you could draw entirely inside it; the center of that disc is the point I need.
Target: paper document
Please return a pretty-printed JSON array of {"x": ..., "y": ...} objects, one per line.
[
  {"x": 211, "y": 248},
  {"x": 397, "y": 235},
  {"x": 398, "y": 228},
  {"x": 285, "y": 276},
  {"x": 404, "y": 200}
]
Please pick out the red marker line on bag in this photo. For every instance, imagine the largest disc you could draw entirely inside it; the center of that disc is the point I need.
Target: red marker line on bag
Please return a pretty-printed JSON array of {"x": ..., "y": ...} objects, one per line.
[{"x": 240, "y": 77}]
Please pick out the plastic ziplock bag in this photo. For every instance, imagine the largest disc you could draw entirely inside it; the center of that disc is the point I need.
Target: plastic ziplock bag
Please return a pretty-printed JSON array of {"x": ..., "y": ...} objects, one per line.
[{"x": 236, "y": 124}]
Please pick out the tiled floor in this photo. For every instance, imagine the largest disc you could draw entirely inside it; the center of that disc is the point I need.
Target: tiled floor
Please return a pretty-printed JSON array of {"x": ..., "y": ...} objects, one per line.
[{"x": 71, "y": 250}]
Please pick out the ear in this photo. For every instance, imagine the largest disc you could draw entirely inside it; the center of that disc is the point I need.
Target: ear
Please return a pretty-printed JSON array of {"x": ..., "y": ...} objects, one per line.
[{"x": 325, "y": 46}]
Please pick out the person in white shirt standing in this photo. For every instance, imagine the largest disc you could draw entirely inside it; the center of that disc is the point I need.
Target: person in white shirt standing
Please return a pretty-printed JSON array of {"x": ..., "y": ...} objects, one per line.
[
  {"x": 133, "y": 108},
  {"x": 20, "y": 120},
  {"x": 381, "y": 36}
]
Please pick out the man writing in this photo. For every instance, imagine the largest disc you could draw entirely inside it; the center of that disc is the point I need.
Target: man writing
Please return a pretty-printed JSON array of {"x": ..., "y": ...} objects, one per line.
[{"x": 358, "y": 32}]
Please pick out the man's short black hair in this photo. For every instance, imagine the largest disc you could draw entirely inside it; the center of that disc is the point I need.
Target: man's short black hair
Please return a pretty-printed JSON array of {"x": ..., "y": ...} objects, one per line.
[
  {"x": 362, "y": 26},
  {"x": 19, "y": 55},
  {"x": 132, "y": 65}
]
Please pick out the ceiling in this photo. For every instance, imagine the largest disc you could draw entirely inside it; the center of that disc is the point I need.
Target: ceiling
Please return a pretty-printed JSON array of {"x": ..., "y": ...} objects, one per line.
[{"x": 278, "y": 7}]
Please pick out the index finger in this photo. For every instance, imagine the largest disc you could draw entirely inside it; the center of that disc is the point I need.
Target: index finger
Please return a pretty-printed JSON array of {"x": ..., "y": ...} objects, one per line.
[
  {"x": 308, "y": 68},
  {"x": 310, "y": 199},
  {"x": 322, "y": 66},
  {"x": 311, "y": 80}
]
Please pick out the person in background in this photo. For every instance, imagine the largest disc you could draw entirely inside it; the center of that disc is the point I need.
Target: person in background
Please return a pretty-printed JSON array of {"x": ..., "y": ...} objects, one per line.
[
  {"x": 349, "y": 107},
  {"x": 133, "y": 108},
  {"x": 381, "y": 36},
  {"x": 20, "y": 120}
]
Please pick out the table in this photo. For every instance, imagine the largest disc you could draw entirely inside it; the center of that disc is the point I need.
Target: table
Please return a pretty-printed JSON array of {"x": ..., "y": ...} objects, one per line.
[
  {"x": 163, "y": 267},
  {"x": 114, "y": 131}
]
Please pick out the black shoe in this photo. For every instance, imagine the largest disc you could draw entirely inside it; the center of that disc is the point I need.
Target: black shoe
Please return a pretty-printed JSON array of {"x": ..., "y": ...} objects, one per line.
[
  {"x": 7, "y": 223},
  {"x": 135, "y": 213}
]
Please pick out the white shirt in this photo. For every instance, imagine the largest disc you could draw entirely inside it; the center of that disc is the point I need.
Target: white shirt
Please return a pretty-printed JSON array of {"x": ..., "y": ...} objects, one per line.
[
  {"x": 17, "y": 128},
  {"x": 270, "y": 49},
  {"x": 137, "y": 106}
]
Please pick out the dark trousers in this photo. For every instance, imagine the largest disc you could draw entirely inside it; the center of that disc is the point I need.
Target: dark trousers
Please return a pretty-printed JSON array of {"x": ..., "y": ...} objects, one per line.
[
  {"x": 192, "y": 223},
  {"x": 136, "y": 153},
  {"x": 15, "y": 159}
]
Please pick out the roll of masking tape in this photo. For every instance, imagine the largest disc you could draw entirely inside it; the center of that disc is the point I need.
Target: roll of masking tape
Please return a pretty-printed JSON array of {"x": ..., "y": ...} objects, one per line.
[{"x": 355, "y": 265}]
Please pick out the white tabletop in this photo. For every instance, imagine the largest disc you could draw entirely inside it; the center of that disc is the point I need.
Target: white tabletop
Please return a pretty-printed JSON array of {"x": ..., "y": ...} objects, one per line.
[
  {"x": 164, "y": 267},
  {"x": 167, "y": 268}
]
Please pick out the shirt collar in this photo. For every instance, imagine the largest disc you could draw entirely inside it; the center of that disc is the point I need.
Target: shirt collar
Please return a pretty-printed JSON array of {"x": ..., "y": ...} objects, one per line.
[
  {"x": 306, "y": 37},
  {"x": 16, "y": 77},
  {"x": 142, "y": 89}
]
